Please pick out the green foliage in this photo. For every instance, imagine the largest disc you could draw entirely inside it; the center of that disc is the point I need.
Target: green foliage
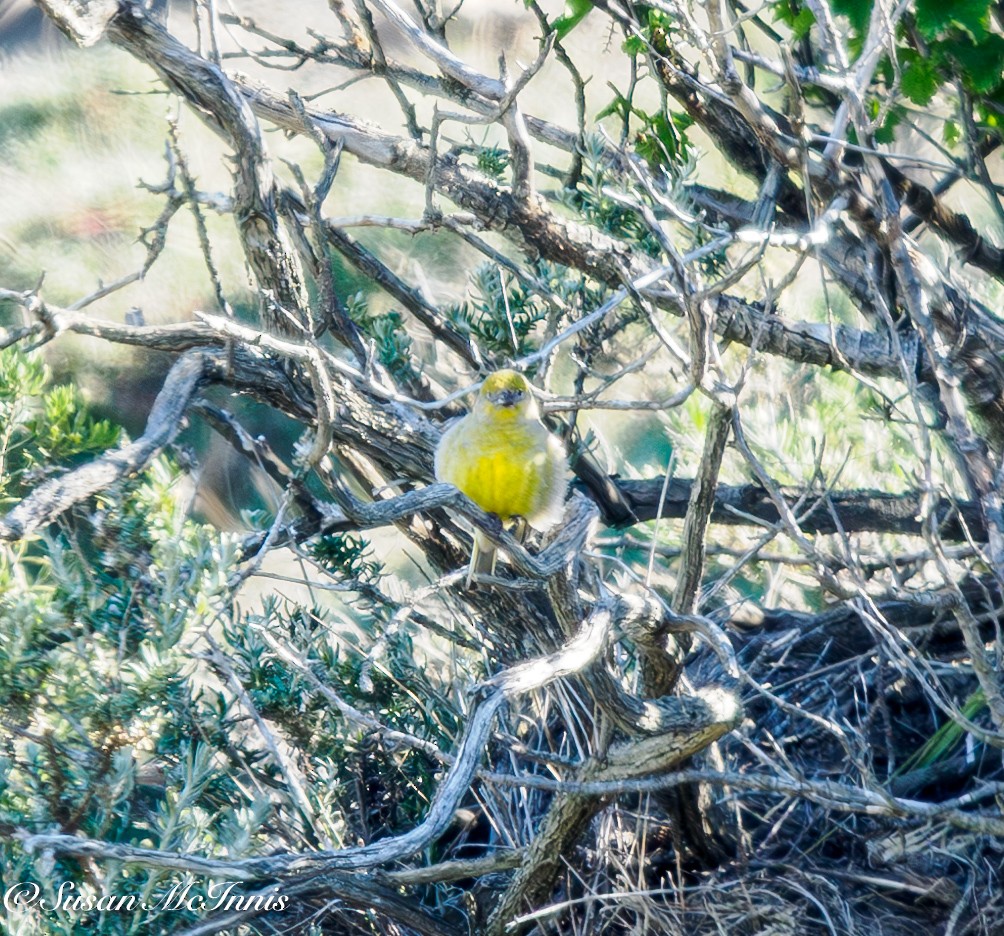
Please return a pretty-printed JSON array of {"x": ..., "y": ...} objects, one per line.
[
  {"x": 957, "y": 49},
  {"x": 491, "y": 160},
  {"x": 662, "y": 141},
  {"x": 96, "y": 687},
  {"x": 950, "y": 133},
  {"x": 799, "y": 19},
  {"x": 572, "y": 14},
  {"x": 346, "y": 555},
  {"x": 944, "y": 741},
  {"x": 501, "y": 316},
  {"x": 575, "y": 289},
  {"x": 713, "y": 262},
  {"x": 936, "y": 19},
  {"x": 594, "y": 200},
  {"x": 372, "y": 789},
  {"x": 661, "y": 138},
  {"x": 894, "y": 115},
  {"x": 984, "y": 65},
  {"x": 920, "y": 77},
  {"x": 389, "y": 334},
  {"x": 123, "y": 722},
  {"x": 941, "y": 44},
  {"x": 63, "y": 429},
  {"x": 857, "y": 11},
  {"x": 41, "y": 430},
  {"x": 21, "y": 377},
  {"x": 658, "y": 29}
]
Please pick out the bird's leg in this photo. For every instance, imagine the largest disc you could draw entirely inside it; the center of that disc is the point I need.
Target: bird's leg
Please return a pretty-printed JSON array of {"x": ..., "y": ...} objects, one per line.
[
  {"x": 483, "y": 554},
  {"x": 520, "y": 529}
]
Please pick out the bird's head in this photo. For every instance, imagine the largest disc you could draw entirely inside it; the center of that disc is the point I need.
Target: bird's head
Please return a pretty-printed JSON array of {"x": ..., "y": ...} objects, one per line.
[{"x": 506, "y": 393}]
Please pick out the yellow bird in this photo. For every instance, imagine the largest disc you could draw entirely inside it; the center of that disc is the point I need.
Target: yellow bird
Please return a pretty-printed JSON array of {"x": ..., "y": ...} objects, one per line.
[{"x": 501, "y": 456}]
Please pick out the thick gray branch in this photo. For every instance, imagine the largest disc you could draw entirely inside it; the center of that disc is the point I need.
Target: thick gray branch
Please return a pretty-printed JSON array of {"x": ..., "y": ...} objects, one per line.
[
  {"x": 213, "y": 96},
  {"x": 847, "y": 511},
  {"x": 699, "y": 508}
]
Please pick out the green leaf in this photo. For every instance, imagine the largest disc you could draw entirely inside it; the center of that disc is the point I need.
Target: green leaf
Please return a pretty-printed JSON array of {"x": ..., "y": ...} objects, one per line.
[
  {"x": 800, "y": 19},
  {"x": 802, "y": 23},
  {"x": 683, "y": 122},
  {"x": 920, "y": 81},
  {"x": 887, "y": 132},
  {"x": 950, "y": 133},
  {"x": 571, "y": 16},
  {"x": 20, "y": 375},
  {"x": 859, "y": 12},
  {"x": 618, "y": 106},
  {"x": 662, "y": 141},
  {"x": 350, "y": 555},
  {"x": 492, "y": 161},
  {"x": 634, "y": 45},
  {"x": 982, "y": 65},
  {"x": 936, "y": 17}
]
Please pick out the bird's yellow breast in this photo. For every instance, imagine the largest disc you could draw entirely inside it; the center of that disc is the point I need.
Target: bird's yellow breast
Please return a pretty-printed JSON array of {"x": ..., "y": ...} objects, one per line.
[{"x": 510, "y": 467}]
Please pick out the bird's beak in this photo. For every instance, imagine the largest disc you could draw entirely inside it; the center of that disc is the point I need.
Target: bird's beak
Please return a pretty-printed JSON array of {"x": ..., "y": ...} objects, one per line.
[{"x": 506, "y": 397}]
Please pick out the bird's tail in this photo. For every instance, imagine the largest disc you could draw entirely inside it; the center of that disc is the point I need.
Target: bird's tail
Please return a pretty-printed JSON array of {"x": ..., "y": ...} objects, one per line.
[{"x": 483, "y": 557}]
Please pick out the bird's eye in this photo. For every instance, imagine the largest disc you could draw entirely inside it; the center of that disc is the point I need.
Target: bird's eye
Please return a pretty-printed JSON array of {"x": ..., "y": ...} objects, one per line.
[{"x": 507, "y": 397}]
